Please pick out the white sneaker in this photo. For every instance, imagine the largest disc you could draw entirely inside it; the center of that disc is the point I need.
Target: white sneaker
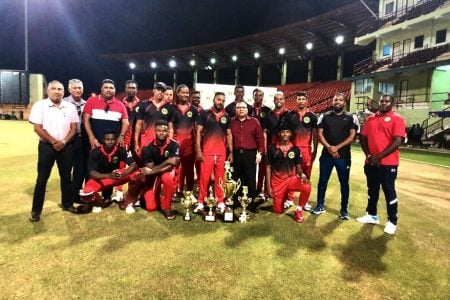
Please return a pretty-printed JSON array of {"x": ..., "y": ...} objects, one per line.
[
  {"x": 369, "y": 219},
  {"x": 118, "y": 196},
  {"x": 221, "y": 207},
  {"x": 199, "y": 208},
  {"x": 130, "y": 209},
  {"x": 96, "y": 209},
  {"x": 390, "y": 228},
  {"x": 288, "y": 204},
  {"x": 262, "y": 197},
  {"x": 307, "y": 207}
]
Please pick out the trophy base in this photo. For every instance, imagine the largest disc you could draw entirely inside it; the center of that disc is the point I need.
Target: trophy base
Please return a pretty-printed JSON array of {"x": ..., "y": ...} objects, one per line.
[
  {"x": 210, "y": 218},
  {"x": 228, "y": 216},
  {"x": 187, "y": 218}
]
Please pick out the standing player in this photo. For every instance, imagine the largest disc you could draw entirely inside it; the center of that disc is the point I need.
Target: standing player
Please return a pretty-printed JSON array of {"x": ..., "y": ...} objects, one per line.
[
  {"x": 168, "y": 95},
  {"x": 183, "y": 120},
  {"x": 284, "y": 174},
  {"x": 195, "y": 101},
  {"x": 261, "y": 112},
  {"x": 105, "y": 171},
  {"x": 55, "y": 123},
  {"x": 337, "y": 130},
  {"x": 381, "y": 136},
  {"x": 149, "y": 112},
  {"x": 239, "y": 93},
  {"x": 303, "y": 124},
  {"x": 211, "y": 142}
]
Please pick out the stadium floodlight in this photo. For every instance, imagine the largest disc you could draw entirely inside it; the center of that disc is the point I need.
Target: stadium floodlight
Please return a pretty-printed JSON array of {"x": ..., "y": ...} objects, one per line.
[
  {"x": 212, "y": 61},
  {"x": 256, "y": 55},
  {"x": 309, "y": 46},
  {"x": 339, "y": 39},
  {"x": 153, "y": 65},
  {"x": 234, "y": 58},
  {"x": 192, "y": 62},
  {"x": 281, "y": 51},
  {"x": 172, "y": 63},
  {"x": 132, "y": 65}
]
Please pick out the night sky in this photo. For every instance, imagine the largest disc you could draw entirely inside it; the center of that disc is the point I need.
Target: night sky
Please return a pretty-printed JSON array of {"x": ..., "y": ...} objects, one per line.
[{"x": 66, "y": 37}]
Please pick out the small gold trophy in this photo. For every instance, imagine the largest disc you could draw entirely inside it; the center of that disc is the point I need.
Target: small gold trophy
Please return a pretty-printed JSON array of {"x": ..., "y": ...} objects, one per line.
[
  {"x": 210, "y": 202},
  {"x": 245, "y": 201},
  {"x": 229, "y": 188},
  {"x": 187, "y": 201}
]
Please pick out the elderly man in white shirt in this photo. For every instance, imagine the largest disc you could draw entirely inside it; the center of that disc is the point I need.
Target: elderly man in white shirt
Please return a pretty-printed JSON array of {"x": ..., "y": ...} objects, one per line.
[{"x": 55, "y": 123}]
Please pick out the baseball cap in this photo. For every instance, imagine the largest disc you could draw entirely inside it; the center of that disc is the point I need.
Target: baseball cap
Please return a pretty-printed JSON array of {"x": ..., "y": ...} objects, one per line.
[{"x": 159, "y": 85}]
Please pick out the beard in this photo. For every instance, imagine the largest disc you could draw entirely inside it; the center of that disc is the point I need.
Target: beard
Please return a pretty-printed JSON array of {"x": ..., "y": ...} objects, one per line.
[{"x": 338, "y": 109}]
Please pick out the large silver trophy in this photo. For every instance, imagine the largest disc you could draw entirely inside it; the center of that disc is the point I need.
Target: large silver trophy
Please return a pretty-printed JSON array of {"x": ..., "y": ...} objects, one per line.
[
  {"x": 229, "y": 188},
  {"x": 187, "y": 201},
  {"x": 245, "y": 201}
]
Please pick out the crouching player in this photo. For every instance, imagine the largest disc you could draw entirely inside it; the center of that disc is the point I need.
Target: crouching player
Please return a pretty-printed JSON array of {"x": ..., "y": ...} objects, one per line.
[
  {"x": 284, "y": 174},
  {"x": 160, "y": 158},
  {"x": 105, "y": 173}
]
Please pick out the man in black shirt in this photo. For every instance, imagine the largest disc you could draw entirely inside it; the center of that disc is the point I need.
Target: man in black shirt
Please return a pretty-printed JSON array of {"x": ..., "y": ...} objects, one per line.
[
  {"x": 239, "y": 93},
  {"x": 337, "y": 129},
  {"x": 105, "y": 172}
]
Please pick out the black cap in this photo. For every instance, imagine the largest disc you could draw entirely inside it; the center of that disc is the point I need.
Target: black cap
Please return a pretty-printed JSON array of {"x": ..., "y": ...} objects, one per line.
[
  {"x": 159, "y": 85},
  {"x": 283, "y": 126}
]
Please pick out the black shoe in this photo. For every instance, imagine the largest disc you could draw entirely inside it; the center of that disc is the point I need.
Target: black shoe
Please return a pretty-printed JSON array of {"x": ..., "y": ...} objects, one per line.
[
  {"x": 253, "y": 209},
  {"x": 35, "y": 217},
  {"x": 168, "y": 214},
  {"x": 71, "y": 209}
]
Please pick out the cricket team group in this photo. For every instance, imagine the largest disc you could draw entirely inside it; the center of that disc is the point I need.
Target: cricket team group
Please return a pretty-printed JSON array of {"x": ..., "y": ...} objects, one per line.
[{"x": 168, "y": 144}]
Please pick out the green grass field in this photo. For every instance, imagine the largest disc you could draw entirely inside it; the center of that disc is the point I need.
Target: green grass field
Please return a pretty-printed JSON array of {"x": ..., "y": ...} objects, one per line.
[{"x": 112, "y": 255}]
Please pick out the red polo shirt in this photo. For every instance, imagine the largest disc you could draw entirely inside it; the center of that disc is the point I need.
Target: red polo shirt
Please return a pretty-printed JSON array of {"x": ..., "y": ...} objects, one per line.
[
  {"x": 379, "y": 130},
  {"x": 247, "y": 134}
]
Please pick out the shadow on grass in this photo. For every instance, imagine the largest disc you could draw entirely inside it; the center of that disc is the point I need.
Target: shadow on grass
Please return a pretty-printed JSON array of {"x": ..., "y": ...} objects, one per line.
[{"x": 363, "y": 254}]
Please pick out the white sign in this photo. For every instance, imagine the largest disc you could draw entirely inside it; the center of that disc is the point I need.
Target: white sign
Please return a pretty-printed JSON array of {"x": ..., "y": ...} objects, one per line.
[{"x": 208, "y": 90}]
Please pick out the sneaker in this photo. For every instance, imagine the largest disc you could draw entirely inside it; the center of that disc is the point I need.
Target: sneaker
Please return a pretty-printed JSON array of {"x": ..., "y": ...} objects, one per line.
[
  {"x": 117, "y": 197},
  {"x": 199, "y": 208},
  {"x": 390, "y": 228},
  {"x": 221, "y": 207},
  {"x": 168, "y": 214},
  {"x": 307, "y": 207},
  {"x": 262, "y": 197},
  {"x": 318, "y": 210},
  {"x": 298, "y": 216},
  {"x": 288, "y": 203},
  {"x": 344, "y": 216},
  {"x": 368, "y": 219},
  {"x": 130, "y": 209},
  {"x": 96, "y": 209}
]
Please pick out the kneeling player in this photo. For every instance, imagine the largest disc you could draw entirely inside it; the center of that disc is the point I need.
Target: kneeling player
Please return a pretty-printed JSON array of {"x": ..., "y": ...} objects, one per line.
[
  {"x": 160, "y": 158},
  {"x": 284, "y": 173},
  {"x": 104, "y": 171}
]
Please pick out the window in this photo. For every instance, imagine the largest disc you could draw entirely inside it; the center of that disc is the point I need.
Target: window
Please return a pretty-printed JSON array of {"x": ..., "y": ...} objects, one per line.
[
  {"x": 387, "y": 50},
  {"x": 389, "y": 9},
  {"x": 363, "y": 86},
  {"x": 386, "y": 88},
  {"x": 418, "y": 42},
  {"x": 441, "y": 36}
]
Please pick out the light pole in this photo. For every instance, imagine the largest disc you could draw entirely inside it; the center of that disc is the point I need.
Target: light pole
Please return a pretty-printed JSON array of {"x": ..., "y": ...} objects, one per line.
[
  {"x": 132, "y": 66},
  {"x": 26, "y": 33}
]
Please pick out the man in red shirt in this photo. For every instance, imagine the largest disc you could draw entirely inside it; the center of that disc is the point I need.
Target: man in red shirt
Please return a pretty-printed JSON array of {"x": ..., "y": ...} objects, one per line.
[
  {"x": 284, "y": 174},
  {"x": 248, "y": 146},
  {"x": 183, "y": 120},
  {"x": 381, "y": 136},
  {"x": 148, "y": 113},
  {"x": 211, "y": 142}
]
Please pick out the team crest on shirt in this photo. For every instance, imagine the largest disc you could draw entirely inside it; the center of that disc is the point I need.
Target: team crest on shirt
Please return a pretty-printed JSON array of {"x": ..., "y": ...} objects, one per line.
[
  {"x": 306, "y": 120},
  {"x": 223, "y": 120},
  {"x": 387, "y": 119},
  {"x": 262, "y": 114},
  {"x": 166, "y": 153},
  {"x": 164, "y": 111},
  {"x": 189, "y": 114},
  {"x": 136, "y": 109},
  {"x": 115, "y": 160},
  {"x": 291, "y": 154}
]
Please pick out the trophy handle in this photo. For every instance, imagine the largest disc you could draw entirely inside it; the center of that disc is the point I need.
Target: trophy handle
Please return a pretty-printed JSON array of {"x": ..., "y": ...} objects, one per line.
[
  {"x": 221, "y": 185},
  {"x": 238, "y": 185}
]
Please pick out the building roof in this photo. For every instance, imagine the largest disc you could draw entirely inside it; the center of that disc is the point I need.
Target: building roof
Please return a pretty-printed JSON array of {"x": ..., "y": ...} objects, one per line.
[{"x": 320, "y": 30}]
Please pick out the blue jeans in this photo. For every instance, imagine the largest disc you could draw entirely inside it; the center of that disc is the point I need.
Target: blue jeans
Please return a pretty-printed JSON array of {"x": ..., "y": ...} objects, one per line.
[{"x": 343, "y": 171}]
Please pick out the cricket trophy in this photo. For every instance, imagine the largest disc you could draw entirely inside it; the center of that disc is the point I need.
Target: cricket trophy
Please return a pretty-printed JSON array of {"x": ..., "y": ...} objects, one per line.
[
  {"x": 210, "y": 201},
  {"x": 187, "y": 201},
  {"x": 229, "y": 188},
  {"x": 245, "y": 201}
]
